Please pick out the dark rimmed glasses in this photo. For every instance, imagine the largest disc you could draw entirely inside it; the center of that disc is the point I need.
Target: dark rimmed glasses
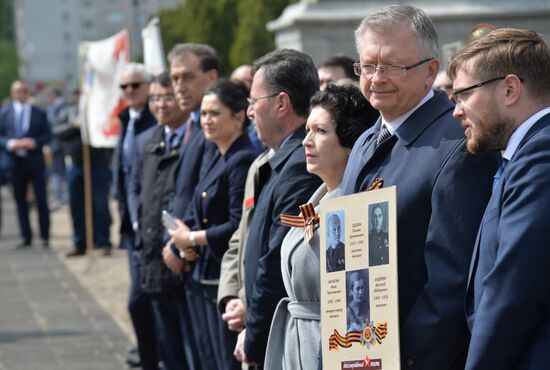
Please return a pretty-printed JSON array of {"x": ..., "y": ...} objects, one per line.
[
  {"x": 460, "y": 97},
  {"x": 387, "y": 69},
  {"x": 133, "y": 85}
]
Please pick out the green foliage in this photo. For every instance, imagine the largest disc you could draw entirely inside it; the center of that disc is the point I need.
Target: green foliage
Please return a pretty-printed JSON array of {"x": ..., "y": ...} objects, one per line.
[
  {"x": 8, "y": 52},
  {"x": 8, "y": 67},
  {"x": 235, "y": 28}
]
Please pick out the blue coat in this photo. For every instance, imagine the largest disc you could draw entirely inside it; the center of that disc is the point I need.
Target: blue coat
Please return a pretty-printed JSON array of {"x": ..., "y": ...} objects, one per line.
[
  {"x": 288, "y": 187},
  {"x": 441, "y": 194},
  {"x": 39, "y": 130},
  {"x": 508, "y": 297},
  {"x": 217, "y": 204}
]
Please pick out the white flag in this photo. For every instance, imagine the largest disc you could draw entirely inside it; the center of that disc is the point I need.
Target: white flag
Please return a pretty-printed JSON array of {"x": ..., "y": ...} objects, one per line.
[
  {"x": 153, "y": 53},
  {"x": 101, "y": 65}
]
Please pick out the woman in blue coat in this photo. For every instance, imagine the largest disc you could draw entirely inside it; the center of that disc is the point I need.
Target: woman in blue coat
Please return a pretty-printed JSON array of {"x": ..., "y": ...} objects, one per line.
[{"x": 213, "y": 216}]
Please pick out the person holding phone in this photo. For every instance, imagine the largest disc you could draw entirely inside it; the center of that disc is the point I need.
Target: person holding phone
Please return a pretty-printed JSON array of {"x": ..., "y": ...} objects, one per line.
[{"x": 214, "y": 215}]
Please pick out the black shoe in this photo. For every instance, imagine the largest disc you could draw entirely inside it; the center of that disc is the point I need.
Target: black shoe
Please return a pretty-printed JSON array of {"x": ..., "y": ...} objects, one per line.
[
  {"x": 23, "y": 244},
  {"x": 45, "y": 244}
]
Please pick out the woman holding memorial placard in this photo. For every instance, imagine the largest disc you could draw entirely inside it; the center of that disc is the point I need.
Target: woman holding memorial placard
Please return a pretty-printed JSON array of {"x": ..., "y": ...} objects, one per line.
[{"x": 337, "y": 118}]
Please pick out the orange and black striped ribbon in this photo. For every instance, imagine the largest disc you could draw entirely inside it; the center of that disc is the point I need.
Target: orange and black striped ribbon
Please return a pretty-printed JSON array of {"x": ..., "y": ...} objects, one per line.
[
  {"x": 307, "y": 219},
  {"x": 377, "y": 184}
]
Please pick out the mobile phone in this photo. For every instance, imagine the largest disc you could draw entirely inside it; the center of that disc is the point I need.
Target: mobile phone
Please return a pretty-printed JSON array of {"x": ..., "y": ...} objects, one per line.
[{"x": 168, "y": 220}]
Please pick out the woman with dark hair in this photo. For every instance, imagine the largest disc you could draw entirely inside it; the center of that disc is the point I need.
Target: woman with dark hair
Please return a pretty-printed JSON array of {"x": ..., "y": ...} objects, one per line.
[
  {"x": 213, "y": 216},
  {"x": 357, "y": 311},
  {"x": 337, "y": 117}
]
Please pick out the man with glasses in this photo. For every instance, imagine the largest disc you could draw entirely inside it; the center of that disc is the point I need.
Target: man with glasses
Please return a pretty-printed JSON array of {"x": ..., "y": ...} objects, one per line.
[
  {"x": 135, "y": 119},
  {"x": 283, "y": 82},
  {"x": 502, "y": 93},
  {"x": 441, "y": 189},
  {"x": 156, "y": 154}
]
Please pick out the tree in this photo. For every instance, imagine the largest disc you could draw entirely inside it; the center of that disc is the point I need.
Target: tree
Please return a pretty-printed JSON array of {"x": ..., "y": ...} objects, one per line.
[
  {"x": 235, "y": 28},
  {"x": 9, "y": 60}
]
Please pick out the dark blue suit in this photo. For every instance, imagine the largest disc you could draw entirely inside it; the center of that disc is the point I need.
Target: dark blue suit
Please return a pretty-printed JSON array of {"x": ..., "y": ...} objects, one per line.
[
  {"x": 27, "y": 168},
  {"x": 441, "y": 194},
  {"x": 216, "y": 208},
  {"x": 288, "y": 187},
  {"x": 138, "y": 303},
  {"x": 508, "y": 297}
]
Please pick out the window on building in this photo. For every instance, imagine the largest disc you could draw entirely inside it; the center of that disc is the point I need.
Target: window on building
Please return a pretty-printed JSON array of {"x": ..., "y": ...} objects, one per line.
[{"x": 114, "y": 16}]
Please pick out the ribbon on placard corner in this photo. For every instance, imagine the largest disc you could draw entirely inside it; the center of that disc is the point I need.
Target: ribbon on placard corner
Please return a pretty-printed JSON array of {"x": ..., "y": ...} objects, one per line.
[
  {"x": 377, "y": 184},
  {"x": 307, "y": 219}
]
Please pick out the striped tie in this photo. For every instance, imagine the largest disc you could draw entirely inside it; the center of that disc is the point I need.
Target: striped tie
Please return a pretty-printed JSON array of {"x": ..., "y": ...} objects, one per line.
[{"x": 384, "y": 135}]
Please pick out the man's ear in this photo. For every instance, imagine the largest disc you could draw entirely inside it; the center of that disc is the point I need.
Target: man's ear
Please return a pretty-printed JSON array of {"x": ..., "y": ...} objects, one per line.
[{"x": 514, "y": 88}]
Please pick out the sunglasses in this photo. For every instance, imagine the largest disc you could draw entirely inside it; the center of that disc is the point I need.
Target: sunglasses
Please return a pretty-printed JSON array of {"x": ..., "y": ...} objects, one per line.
[{"x": 133, "y": 85}]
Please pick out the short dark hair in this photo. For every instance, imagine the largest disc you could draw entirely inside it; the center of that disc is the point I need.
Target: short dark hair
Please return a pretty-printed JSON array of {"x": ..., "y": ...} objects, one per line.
[
  {"x": 208, "y": 57},
  {"x": 231, "y": 94},
  {"x": 163, "y": 79},
  {"x": 292, "y": 72},
  {"x": 351, "y": 112},
  {"x": 342, "y": 61}
]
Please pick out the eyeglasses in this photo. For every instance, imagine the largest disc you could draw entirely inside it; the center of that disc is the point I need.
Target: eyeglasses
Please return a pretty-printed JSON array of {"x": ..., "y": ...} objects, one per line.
[
  {"x": 388, "y": 70},
  {"x": 167, "y": 98},
  {"x": 460, "y": 97},
  {"x": 133, "y": 85},
  {"x": 252, "y": 101}
]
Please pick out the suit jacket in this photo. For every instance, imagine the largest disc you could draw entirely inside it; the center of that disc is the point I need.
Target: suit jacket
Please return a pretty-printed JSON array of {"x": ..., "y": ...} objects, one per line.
[
  {"x": 194, "y": 157},
  {"x": 39, "y": 130},
  {"x": 289, "y": 186},
  {"x": 508, "y": 297},
  {"x": 231, "y": 283},
  {"x": 216, "y": 205},
  {"x": 145, "y": 121},
  {"x": 441, "y": 194}
]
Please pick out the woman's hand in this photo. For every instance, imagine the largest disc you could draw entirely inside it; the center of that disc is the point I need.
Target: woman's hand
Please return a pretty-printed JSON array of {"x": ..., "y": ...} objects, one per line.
[{"x": 180, "y": 236}]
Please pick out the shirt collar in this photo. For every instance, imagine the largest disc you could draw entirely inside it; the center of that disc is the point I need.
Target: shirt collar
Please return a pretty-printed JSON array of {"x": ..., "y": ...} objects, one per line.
[
  {"x": 520, "y": 132},
  {"x": 396, "y": 123},
  {"x": 135, "y": 114},
  {"x": 196, "y": 115}
]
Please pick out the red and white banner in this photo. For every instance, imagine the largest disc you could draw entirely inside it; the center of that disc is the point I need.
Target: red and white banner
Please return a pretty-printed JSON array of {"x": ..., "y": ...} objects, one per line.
[
  {"x": 101, "y": 65},
  {"x": 153, "y": 52}
]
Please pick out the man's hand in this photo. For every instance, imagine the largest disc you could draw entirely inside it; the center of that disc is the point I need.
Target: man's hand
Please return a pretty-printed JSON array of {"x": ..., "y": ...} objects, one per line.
[
  {"x": 175, "y": 264},
  {"x": 235, "y": 314},
  {"x": 239, "y": 350}
]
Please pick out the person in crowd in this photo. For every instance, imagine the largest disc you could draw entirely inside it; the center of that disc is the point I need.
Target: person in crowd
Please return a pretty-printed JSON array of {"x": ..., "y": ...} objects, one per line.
[
  {"x": 151, "y": 186},
  {"x": 216, "y": 209},
  {"x": 357, "y": 310},
  {"x": 135, "y": 119},
  {"x": 283, "y": 82},
  {"x": 243, "y": 74},
  {"x": 443, "y": 82},
  {"x": 338, "y": 117},
  {"x": 67, "y": 129},
  {"x": 193, "y": 67},
  {"x": 24, "y": 130},
  {"x": 378, "y": 239},
  {"x": 56, "y": 170},
  {"x": 419, "y": 147},
  {"x": 336, "y": 68},
  {"x": 501, "y": 85}
]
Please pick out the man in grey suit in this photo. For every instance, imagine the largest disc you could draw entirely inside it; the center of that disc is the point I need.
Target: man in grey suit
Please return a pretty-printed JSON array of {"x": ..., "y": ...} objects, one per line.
[
  {"x": 441, "y": 189},
  {"x": 502, "y": 92}
]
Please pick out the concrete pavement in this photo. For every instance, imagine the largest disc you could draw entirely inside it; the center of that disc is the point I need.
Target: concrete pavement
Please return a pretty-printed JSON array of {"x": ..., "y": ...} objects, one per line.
[{"x": 48, "y": 318}]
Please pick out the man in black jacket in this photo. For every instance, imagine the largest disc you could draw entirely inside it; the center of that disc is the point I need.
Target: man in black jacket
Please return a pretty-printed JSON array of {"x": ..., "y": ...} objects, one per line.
[
  {"x": 135, "y": 119},
  {"x": 283, "y": 83}
]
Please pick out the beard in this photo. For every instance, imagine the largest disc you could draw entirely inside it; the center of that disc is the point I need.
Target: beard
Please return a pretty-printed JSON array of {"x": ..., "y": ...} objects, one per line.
[{"x": 490, "y": 131}]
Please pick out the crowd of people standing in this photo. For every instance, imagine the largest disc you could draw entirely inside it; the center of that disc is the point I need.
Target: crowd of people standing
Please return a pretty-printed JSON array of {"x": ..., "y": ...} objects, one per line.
[{"x": 205, "y": 167}]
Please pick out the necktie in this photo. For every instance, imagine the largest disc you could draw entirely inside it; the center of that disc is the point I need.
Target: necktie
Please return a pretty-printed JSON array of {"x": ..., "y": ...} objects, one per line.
[
  {"x": 171, "y": 141},
  {"x": 20, "y": 130},
  {"x": 499, "y": 173},
  {"x": 187, "y": 133},
  {"x": 127, "y": 145},
  {"x": 384, "y": 135}
]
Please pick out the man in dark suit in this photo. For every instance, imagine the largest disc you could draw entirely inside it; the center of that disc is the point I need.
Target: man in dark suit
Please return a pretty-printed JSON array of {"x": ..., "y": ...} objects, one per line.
[
  {"x": 502, "y": 92},
  {"x": 283, "y": 83},
  {"x": 378, "y": 238},
  {"x": 441, "y": 189},
  {"x": 135, "y": 119},
  {"x": 335, "y": 248},
  {"x": 24, "y": 130}
]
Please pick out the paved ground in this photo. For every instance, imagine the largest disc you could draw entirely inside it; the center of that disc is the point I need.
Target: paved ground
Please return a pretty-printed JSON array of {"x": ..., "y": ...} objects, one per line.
[{"x": 57, "y": 313}]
